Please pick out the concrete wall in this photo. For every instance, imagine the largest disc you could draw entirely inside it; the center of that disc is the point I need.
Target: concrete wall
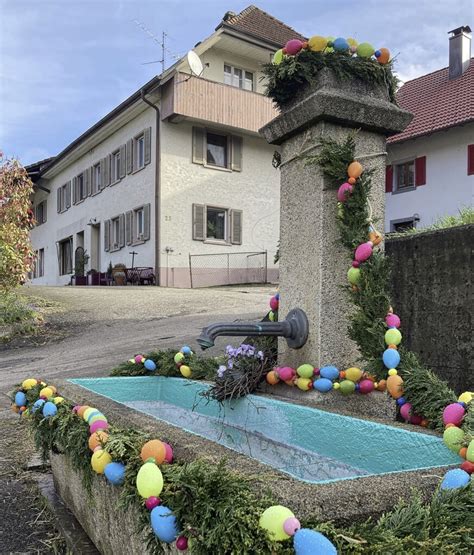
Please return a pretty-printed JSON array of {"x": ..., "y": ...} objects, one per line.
[
  {"x": 448, "y": 187},
  {"x": 431, "y": 293}
]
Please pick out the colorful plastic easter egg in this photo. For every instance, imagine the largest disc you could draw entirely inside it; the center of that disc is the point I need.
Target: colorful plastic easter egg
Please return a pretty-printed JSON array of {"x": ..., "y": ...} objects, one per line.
[
  {"x": 466, "y": 397},
  {"x": 274, "y": 303},
  {"x": 310, "y": 542},
  {"x": 352, "y": 42},
  {"x": 340, "y": 45},
  {"x": 317, "y": 43},
  {"x": 383, "y": 56},
  {"x": 344, "y": 192},
  {"x": 453, "y": 414},
  {"x": 416, "y": 419},
  {"x": 271, "y": 316},
  {"x": 139, "y": 359},
  {"x": 178, "y": 357},
  {"x": 391, "y": 358},
  {"x": 97, "y": 439},
  {"x": 186, "y": 350},
  {"x": 98, "y": 425},
  {"x": 46, "y": 392},
  {"x": 382, "y": 385},
  {"x": 354, "y": 374},
  {"x": 58, "y": 400},
  {"x": 329, "y": 372},
  {"x": 16, "y": 409},
  {"x": 149, "y": 480},
  {"x": 169, "y": 453},
  {"x": 20, "y": 399},
  {"x": 353, "y": 275},
  {"x": 92, "y": 413},
  {"x": 152, "y": 502},
  {"x": 329, "y": 47},
  {"x": 115, "y": 473},
  {"x": 293, "y": 46},
  {"x": 291, "y": 526},
  {"x": 87, "y": 412},
  {"x": 286, "y": 373},
  {"x": 81, "y": 410},
  {"x": 305, "y": 371},
  {"x": 366, "y": 386},
  {"x": 164, "y": 524},
  {"x": 365, "y": 50},
  {"x": 468, "y": 467},
  {"x": 37, "y": 405},
  {"x": 347, "y": 387},
  {"x": 453, "y": 438},
  {"x": 304, "y": 384},
  {"x": 393, "y": 337},
  {"x": 278, "y": 56},
  {"x": 150, "y": 365},
  {"x": 355, "y": 169},
  {"x": 323, "y": 385},
  {"x": 182, "y": 543},
  {"x": 273, "y": 520},
  {"x": 375, "y": 237},
  {"x": 470, "y": 452},
  {"x": 395, "y": 386},
  {"x": 185, "y": 371},
  {"x": 405, "y": 411},
  {"x": 29, "y": 384},
  {"x": 392, "y": 321},
  {"x": 49, "y": 409},
  {"x": 455, "y": 478},
  {"x": 95, "y": 418},
  {"x": 154, "y": 449},
  {"x": 99, "y": 460},
  {"x": 363, "y": 252},
  {"x": 272, "y": 377}
]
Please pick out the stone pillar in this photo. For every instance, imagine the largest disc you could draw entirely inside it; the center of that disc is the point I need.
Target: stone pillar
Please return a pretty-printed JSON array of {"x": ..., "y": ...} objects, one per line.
[{"x": 313, "y": 263}]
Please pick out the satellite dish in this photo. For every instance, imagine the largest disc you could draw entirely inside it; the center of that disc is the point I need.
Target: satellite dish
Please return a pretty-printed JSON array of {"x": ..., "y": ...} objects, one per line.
[{"x": 195, "y": 63}]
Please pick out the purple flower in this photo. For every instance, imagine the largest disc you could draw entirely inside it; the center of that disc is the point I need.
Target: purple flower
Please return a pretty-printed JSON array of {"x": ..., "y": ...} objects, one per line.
[{"x": 221, "y": 371}]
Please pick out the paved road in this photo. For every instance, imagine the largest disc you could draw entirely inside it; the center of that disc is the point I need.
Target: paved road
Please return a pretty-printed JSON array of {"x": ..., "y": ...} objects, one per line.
[{"x": 106, "y": 326}]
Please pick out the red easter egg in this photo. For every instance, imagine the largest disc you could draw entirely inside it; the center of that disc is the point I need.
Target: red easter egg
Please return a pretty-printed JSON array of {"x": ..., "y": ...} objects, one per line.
[
  {"x": 293, "y": 46},
  {"x": 468, "y": 467},
  {"x": 286, "y": 373},
  {"x": 169, "y": 453},
  {"x": 274, "y": 304},
  {"x": 366, "y": 386}
]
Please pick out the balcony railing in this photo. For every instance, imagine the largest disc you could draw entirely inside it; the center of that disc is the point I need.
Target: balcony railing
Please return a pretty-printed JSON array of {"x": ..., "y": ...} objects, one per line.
[{"x": 197, "y": 98}]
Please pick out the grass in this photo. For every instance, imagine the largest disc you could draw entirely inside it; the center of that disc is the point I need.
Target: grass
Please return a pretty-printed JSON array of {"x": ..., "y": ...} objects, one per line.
[{"x": 465, "y": 216}]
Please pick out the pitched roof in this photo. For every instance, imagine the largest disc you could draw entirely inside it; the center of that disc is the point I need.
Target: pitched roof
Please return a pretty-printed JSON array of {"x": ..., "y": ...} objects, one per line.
[
  {"x": 437, "y": 102},
  {"x": 259, "y": 24}
]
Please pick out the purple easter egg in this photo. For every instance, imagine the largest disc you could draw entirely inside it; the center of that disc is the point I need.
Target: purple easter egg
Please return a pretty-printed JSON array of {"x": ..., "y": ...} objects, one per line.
[
  {"x": 98, "y": 425},
  {"x": 169, "y": 453},
  {"x": 293, "y": 46},
  {"x": 182, "y": 543},
  {"x": 366, "y": 386},
  {"x": 416, "y": 419},
  {"x": 291, "y": 526},
  {"x": 405, "y": 411},
  {"x": 274, "y": 304},
  {"x": 343, "y": 192},
  {"x": 152, "y": 502},
  {"x": 363, "y": 251},
  {"x": 453, "y": 414},
  {"x": 392, "y": 321},
  {"x": 286, "y": 373}
]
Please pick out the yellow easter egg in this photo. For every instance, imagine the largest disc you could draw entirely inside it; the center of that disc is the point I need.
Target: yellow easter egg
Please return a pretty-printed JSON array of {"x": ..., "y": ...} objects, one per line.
[
  {"x": 58, "y": 400},
  {"x": 317, "y": 43},
  {"x": 87, "y": 413},
  {"x": 99, "y": 460},
  {"x": 466, "y": 397},
  {"x": 46, "y": 392},
  {"x": 149, "y": 480},
  {"x": 353, "y": 374},
  {"x": 29, "y": 384},
  {"x": 185, "y": 371}
]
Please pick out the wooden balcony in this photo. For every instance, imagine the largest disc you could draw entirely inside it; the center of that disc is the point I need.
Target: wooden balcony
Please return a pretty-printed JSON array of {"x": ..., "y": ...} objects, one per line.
[{"x": 192, "y": 97}]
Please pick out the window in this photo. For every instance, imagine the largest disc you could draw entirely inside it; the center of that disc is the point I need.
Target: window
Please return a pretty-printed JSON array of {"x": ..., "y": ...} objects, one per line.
[
  {"x": 39, "y": 264},
  {"x": 115, "y": 169},
  {"x": 140, "y": 223},
  {"x": 115, "y": 232},
  {"x": 41, "y": 212},
  {"x": 238, "y": 77},
  {"x": 405, "y": 175},
  {"x": 137, "y": 225},
  {"x": 81, "y": 189},
  {"x": 96, "y": 178},
  {"x": 398, "y": 226},
  {"x": 139, "y": 156},
  {"x": 216, "y": 150},
  {"x": 213, "y": 223},
  {"x": 64, "y": 197},
  {"x": 65, "y": 256}
]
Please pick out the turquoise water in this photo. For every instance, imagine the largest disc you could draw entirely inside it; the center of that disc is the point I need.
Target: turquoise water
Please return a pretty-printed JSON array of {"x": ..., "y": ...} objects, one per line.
[{"x": 307, "y": 443}]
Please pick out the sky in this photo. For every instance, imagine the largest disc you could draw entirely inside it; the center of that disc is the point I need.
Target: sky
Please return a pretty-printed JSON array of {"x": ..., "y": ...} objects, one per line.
[{"x": 64, "y": 64}]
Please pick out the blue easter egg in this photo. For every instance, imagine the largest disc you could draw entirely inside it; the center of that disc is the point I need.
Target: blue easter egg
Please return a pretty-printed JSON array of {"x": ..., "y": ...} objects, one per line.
[
  {"x": 186, "y": 350},
  {"x": 310, "y": 542},
  {"x": 164, "y": 524},
  {"x": 329, "y": 372},
  {"x": 93, "y": 413},
  {"x": 20, "y": 399},
  {"x": 322, "y": 384},
  {"x": 37, "y": 405},
  {"x": 150, "y": 365},
  {"x": 401, "y": 401},
  {"x": 391, "y": 358},
  {"x": 456, "y": 478},
  {"x": 49, "y": 409},
  {"x": 340, "y": 44},
  {"x": 115, "y": 473}
]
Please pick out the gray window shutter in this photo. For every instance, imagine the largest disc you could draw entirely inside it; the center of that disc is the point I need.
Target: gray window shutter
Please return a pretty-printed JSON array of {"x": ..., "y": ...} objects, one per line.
[
  {"x": 236, "y": 227},
  {"x": 106, "y": 178},
  {"x": 74, "y": 190},
  {"x": 236, "y": 156},
  {"x": 198, "y": 145},
  {"x": 88, "y": 181},
  {"x": 146, "y": 222},
  {"x": 107, "y": 235},
  {"x": 128, "y": 227},
  {"x": 45, "y": 211},
  {"x": 147, "y": 140},
  {"x": 58, "y": 199},
  {"x": 199, "y": 232},
  {"x": 130, "y": 156},
  {"x": 68, "y": 195},
  {"x": 122, "y": 230},
  {"x": 123, "y": 160}
]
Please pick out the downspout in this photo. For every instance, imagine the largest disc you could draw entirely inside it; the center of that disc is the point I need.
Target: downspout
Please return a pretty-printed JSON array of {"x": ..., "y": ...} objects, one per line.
[{"x": 157, "y": 185}]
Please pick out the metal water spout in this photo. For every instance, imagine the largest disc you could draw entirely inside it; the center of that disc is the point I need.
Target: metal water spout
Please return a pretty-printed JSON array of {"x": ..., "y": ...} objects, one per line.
[{"x": 294, "y": 329}]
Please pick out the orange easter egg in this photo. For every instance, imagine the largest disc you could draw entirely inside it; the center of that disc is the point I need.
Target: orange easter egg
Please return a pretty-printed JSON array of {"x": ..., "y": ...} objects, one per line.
[
  {"x": 352, "y": 180},
  {"x": 154, "y": 449},
  {"x": 354, "y": 170},
  {"x": 82, "y": 410},
  {"x": 382, "y": 385},
  {"x": 97, "y": 439},
  {"x": 375, "y": 237},
  {"x": 272, "y": 377},
  {"x": 384, "y": 56},
  {"x": 392, "y": 346},
  {"x": 395, "y": 386},
  {"x": 463, "y": 452},
  {"x": 290, "y": 382}
]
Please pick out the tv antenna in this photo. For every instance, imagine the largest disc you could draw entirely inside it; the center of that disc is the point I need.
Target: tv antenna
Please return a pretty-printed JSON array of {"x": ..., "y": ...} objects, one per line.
[{"x": 159, "y": 42}]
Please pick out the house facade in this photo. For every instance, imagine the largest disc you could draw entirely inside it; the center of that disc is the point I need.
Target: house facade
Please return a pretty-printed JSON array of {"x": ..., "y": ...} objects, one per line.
[
  {"x": 177, "y": 170},
  {"x": 430, "y": 172}
]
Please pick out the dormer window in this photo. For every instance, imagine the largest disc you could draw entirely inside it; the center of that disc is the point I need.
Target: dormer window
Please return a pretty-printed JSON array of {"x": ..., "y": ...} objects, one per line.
[{"x": 237, "y": 77}]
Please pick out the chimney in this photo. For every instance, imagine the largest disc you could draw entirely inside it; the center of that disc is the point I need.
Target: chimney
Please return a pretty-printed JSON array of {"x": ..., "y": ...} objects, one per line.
[{"x": 459, "y": 51}]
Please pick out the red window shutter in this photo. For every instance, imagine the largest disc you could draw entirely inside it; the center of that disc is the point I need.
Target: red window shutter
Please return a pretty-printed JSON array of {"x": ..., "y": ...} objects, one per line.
[
  {"x": 420, "y": 171},
  {"x": 470, "y": 159},
  {"x": 388, "y": 179}
]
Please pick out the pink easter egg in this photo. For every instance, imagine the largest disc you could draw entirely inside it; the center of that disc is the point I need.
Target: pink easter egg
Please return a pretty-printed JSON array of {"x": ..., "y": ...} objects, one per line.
[
  {"x": 453, "y": 414},
  {"x": 286, "y": 373},
  {"x": 169, "y": 453},
  {"x": 152, "y": 502},
  {"x": 291, "y": 526},
  {"x": 182, "y": 543},
  {"x": 344, "y": 191},
  {"x": 363, "y": 251},
  {"x": 392, "y": 321},
  {"x": 366, "y": 386},
  {"x": 405, "y": 411},
  {"x": 138, "y": 359},
  {"x": 293, "y": 46},
  {"x": 98, "y": 425},
  {"x": 274, "y": 304},
  {"x": 355, "y": 264},
  {"x": 416, "y": 419}
]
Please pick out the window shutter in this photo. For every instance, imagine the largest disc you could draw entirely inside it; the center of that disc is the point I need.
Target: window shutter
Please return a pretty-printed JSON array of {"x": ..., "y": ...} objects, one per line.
[
  {"x": 198, "y": 145},
  {"x": 106, "y": 178},
  {"x": 58, "y": 200},
  {"x": 68, "y": 194},
  {"x": 88, "y": 181},
  {"x": 146, "y": 222},
  {"x": 45, "y": 211},
  {"x": 420, "y": 171},
  {"x": 236, "y": 227},
  {"x": 388, "y": 179},
  {"x": 130, "y": 156},
  {"x": 198, "y": 222},
  {"x": 107, "y": 235},
  {"x": 147, "y": 139},
  {"x": 122, "y": 230},
  {"x": 74, "y": 190},
  {"x": 470, "y": 159},
  {"x": 123, "y": 160},
  {"x": 236, "y": 154},
  {"x": 128, "y": 227}
]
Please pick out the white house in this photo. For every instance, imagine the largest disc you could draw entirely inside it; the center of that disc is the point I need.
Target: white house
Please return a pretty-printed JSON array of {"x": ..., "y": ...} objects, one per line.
[
  {"x": 178, "y": 169},
  {"x": 431, "y": 164}
]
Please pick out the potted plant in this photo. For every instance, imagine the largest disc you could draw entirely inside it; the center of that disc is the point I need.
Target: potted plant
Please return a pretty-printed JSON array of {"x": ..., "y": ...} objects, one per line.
[
  {"x": 82, "y": 258},
  {"x": 93, "y": 277},
  {"x": 119, "y": 275}
]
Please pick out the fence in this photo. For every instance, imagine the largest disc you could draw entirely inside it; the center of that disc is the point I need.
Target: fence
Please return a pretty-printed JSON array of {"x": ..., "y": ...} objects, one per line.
[{"x": 207, "y": 270}]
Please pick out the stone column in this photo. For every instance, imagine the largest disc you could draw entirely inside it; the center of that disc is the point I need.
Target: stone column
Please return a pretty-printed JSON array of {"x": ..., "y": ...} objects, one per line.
[{"x": 313, "y": 263}]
